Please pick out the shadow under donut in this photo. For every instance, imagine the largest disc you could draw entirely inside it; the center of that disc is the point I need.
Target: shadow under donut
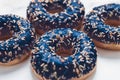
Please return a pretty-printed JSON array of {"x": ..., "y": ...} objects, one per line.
[
  {"x": 12, "y": 68},
  {"x": 104, "y": 53}
]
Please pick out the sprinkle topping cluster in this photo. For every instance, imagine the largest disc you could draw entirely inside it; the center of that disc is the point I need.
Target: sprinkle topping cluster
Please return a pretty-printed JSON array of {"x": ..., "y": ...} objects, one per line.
[
  {"x": 50, "y": 65},
  {"x": 70, "y": 17},
  {"x": 21, "y": 40},
  {"x": 95, "y": 25}
]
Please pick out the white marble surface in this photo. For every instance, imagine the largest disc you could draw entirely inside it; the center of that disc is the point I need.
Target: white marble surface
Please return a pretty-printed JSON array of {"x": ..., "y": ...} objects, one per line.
[{"x": 108, "y": 64}]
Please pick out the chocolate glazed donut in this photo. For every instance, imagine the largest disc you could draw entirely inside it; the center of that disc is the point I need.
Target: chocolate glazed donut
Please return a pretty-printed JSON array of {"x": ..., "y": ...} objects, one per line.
[
  {"x": 64, "y": 54},
  {"x": 45, "y": 15},
  {"x": 16, "y": 39},
  {"x": 102, "y": 24}
]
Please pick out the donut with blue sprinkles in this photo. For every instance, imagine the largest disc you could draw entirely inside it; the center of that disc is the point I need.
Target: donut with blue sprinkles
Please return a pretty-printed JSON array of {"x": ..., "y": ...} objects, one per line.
[
  {"x": 64, "y": 54},
  {"x": 16, "y": 39},
  {"x": 102, "y": 24},
  {"x": 45, "y": 15}
]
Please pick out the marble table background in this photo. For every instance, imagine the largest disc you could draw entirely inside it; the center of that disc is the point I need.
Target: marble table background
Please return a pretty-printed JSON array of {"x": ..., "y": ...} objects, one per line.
[{"x": 108, "y": 64}]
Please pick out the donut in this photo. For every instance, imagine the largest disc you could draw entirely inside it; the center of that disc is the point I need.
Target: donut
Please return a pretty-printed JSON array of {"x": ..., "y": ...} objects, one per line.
[
  {"x": 102, "y": 24},
  {"x": 16, "y": 39},
  {"x": 45, "y": 15},
  {"x": 63, "y": 54}
]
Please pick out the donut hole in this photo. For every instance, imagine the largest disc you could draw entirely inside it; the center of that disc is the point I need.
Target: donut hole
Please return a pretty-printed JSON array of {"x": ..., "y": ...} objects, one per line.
[
  {"x": 64, "y": 50},
  {"x": 8, "y": 29},
  {"x": 114, "y": 23},
  {"x": 111, "y": 18},
  {"x": 64, "y": 47},
  {"x": 55, "y": 7},
  {"x": 5, "y": 33}
]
